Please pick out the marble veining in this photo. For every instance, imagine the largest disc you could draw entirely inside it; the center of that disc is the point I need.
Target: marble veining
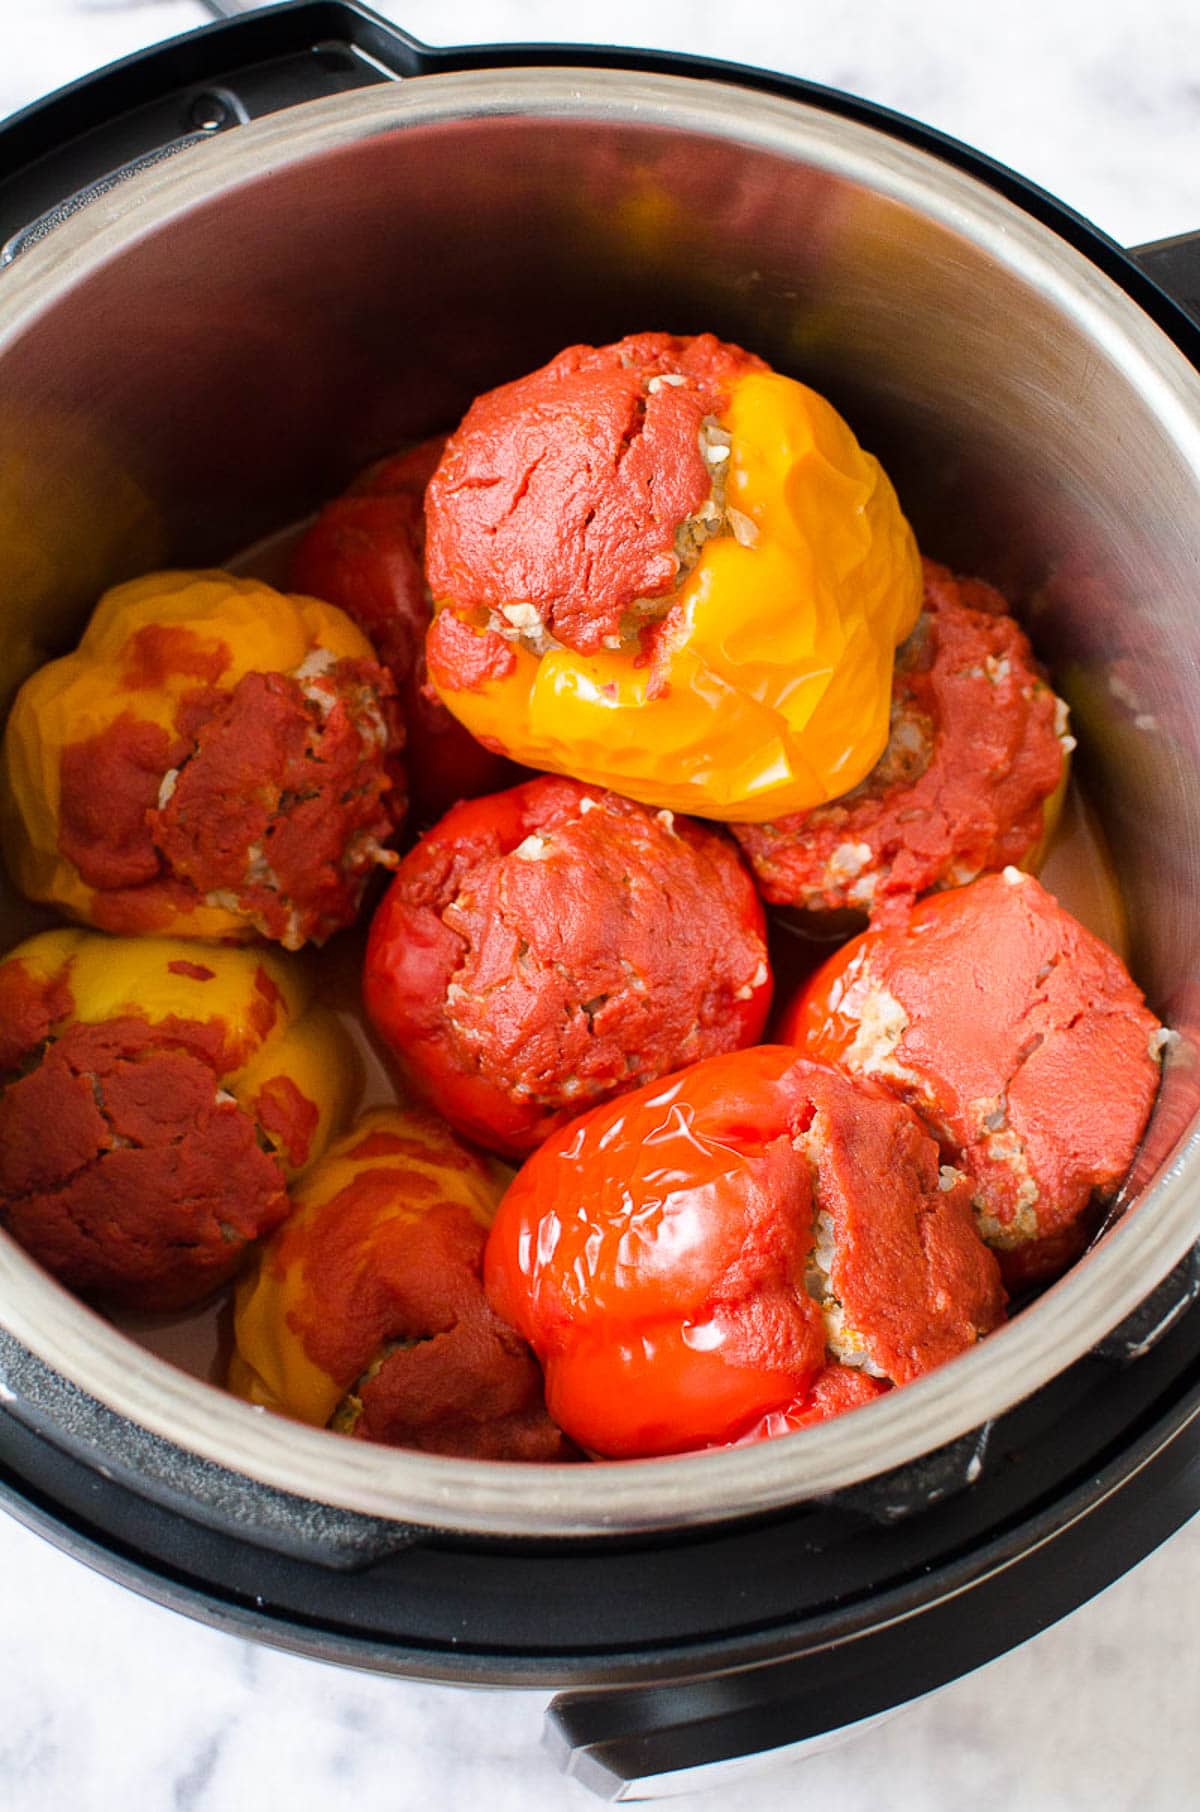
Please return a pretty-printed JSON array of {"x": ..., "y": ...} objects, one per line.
[{"x": 110, "y": 1702}]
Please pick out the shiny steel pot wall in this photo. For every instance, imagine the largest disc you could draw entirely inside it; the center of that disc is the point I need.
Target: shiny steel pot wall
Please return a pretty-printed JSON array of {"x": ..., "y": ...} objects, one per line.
[{"x": 216, "y": 344}]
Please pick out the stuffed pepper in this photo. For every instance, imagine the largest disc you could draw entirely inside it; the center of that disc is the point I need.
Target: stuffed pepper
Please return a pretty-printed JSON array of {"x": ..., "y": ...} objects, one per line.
[
  {"x": 366, "y": 1312},
  {"x": 1018, "y": 1036},
  {"x": 660, "y": 566},
  {"x": 972, "y": 777},
  {"x": 551, "y": 946},
  {"x": 691, "y": 1259},
  {"x": 155, "y": 1096},
  {"x": 365, "y": 553},
  {"x": 214, "y": 760}
]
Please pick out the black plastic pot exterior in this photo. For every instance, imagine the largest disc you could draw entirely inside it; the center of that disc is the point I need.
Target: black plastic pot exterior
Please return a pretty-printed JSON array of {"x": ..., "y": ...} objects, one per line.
[
  {"x": 730, "y": 1639},
  {"x": 741, "y": 1639}
]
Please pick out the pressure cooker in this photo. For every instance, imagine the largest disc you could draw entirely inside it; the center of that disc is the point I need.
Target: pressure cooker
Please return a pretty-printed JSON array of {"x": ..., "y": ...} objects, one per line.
[{"x": 236, "y": 268}]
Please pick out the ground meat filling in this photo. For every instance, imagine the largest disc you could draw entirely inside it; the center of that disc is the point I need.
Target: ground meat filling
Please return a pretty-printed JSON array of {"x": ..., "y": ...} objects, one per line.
[
  {"x": 552, "y": 946},
  {"x": 127, "y": 1171},
  {"x": 976, "y": 748},
  {"x": 1017, "y": 1035},
  {"x": 570, "y": 504}
]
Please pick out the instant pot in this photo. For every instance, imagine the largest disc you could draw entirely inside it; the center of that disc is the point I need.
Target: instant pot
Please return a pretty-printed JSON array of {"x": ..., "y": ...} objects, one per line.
[{"x": 237, "y": 268}]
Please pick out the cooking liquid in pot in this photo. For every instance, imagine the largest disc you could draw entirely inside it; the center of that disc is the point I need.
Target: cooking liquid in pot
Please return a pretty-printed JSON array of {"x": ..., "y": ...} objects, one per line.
[{"x": 1078, "y": 870}]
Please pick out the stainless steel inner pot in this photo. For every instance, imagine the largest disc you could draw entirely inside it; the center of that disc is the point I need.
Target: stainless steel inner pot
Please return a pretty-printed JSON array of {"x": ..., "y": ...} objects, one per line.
[{"x": 212, "y": 347}]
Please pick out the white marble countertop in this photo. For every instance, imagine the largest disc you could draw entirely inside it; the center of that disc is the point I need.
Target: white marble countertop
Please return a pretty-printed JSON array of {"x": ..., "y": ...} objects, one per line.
[{"x": 111, "y": 1702}]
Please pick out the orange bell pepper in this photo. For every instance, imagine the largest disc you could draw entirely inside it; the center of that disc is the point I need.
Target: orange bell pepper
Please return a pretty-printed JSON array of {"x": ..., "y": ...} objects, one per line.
[{"x": 662, "y": 568}]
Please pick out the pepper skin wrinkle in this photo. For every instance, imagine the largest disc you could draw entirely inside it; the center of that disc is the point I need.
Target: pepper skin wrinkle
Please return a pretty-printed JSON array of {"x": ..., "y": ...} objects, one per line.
[
  {"x": 367, "y": 1312},
  {"x": 1020, "y": 1038},
  {"x": 215, "y": 760},
  {"x": 152, "y": 1108},
  {"x": 689, "y": 1260},
  {"x": 365, "y": 553},
  {"x": 661, "y": 567},
  {"x": 970, "y": 780},
  {"x": 553, "y": 945}
]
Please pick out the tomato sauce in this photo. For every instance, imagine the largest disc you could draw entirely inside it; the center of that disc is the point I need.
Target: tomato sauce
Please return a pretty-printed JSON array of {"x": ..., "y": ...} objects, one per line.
[{"x": 565, "y": 489}]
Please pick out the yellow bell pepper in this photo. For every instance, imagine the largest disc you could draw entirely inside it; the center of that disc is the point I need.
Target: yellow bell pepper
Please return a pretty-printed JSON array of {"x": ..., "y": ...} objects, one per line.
[
  {"x": 767, "y": 690},
  {"x": 330, "y": 1289},
  {"x": 209, "y": 762},
  {"x": 155, "y": 1097}
]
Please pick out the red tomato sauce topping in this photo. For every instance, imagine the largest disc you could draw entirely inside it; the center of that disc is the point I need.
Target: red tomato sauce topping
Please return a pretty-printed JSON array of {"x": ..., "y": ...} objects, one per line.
[
  {"x": 29, "y": 1009},
  {"x": 835, "y": 1390},
  {"x": 552, "y": 945},
  {"x": 125, "y": 1172},
  {"x": 973, "y": 756},
  {"x": 288, "y": 1116},
  {"x": 1016, "y": 1033},
  {"x": 272, "y": 799},
  {"x": 282, "y": 804},
  {"x": 161, "y": 649},
  {"x": 397, "y": 1305},
  {"x": 565, "y": 489},
  {"x": 462, "y": 658},
  {"x": 108, "y": 788}
]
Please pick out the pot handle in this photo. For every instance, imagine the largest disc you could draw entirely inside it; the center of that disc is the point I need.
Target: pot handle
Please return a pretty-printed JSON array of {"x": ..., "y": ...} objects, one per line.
[
  {"x": 655, "y": 1741},
  {"x": 1174, "y": 265},
  {"x": 68, "y": 151}
]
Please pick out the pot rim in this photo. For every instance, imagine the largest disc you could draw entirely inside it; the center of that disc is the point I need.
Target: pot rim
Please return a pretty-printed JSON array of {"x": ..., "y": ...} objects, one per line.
[{"x": 507, "y": 1498}]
